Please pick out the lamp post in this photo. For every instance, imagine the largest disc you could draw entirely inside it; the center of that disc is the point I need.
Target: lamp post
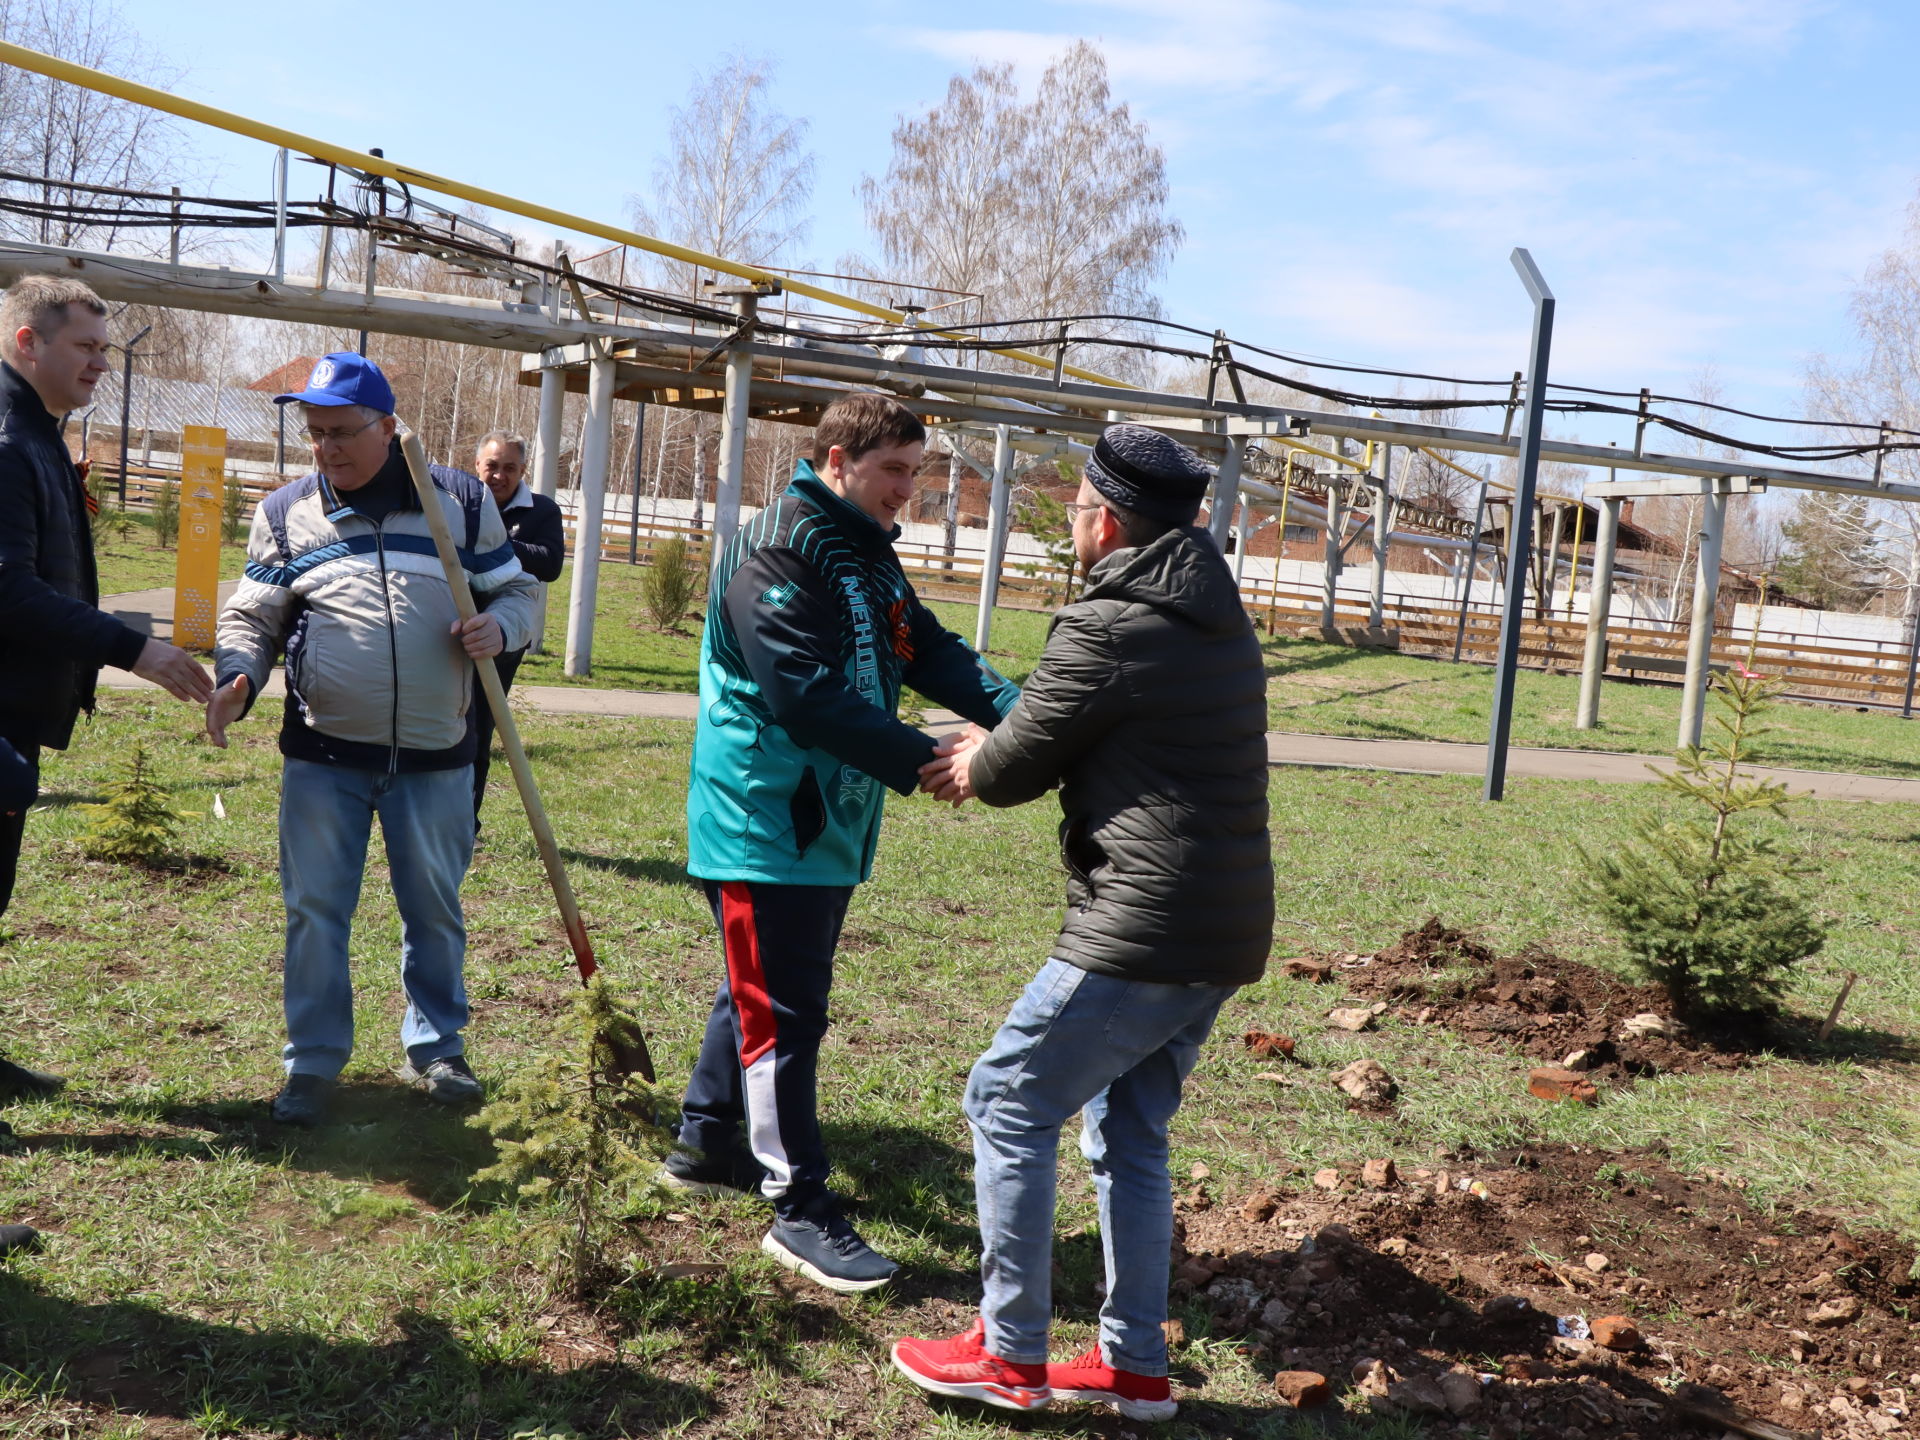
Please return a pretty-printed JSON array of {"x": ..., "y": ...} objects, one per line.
[{"x": 126, "y": 405}]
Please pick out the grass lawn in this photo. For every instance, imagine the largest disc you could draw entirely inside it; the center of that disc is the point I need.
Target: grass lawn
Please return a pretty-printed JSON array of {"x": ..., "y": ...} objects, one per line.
[
  {"x": 211, "y": 1274},
  {"x": 1327, "y": 689},
  {"x": 135, "y": 562}
]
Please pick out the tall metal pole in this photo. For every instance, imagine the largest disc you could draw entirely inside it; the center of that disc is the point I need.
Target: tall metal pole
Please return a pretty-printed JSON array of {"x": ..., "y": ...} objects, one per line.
[
  {"x": 633, "y": 496},
  {"x": 734, "y": 416},
  {"x": 1473, "y": 563},
  {"x": 1330, "y": 569},
  {"x": 1382, "y": 529},
  {"x": 1706, "y": 593},
  {"x": 1599, "y": 613},
  {"x": 996, "y": 535},
  {"x": 595, "y": 450},
  {"x": 280, "y": 217},
  {"x": 126, "y": 406},
  {"x": 1913, "y": 651},
  {"x": 1226, "y": 493},
  {"x": 1514, "y": 613},
  {"x": 546, "y": 435}
]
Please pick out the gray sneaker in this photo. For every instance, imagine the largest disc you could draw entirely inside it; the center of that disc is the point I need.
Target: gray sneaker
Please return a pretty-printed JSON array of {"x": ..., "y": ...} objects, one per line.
[
  {"x": 303, "y": 1100},
  {"x": 446, "y": 1081}
]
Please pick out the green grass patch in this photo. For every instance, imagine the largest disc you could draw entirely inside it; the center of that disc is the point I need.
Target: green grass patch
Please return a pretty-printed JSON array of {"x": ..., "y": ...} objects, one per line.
[
  {"x": 211, "y": 1271},
  {"x": 135, "y": 561}
]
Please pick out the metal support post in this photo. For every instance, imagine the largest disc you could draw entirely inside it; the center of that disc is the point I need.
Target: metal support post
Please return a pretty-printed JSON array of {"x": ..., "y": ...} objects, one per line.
[
  {"x": 1242, "y": 532},
  {"x": 1706, "y": 592},
  {"x": 1543, "y": 599},
  {"x": 996, "y": 534},
  {"x": 1599, "y": 612},
  {"x": 1473, "y": 564},
  {"x": 1226, "y": 492},
  {"x": 1382, "y": 530},
  {"x": 1330, "y": 570},
  {"x": 633, "y": 494},
  {"x": 1513, "y": 614},
  {"x": 546, "y": 435},
  {"x": 126, "y": 406},
  {"x": 1913, "y": 652},
  {"x": 734, "y": 415},
  {"x": 953, "y": 503},
  {"x": 280, "y": 216},
  {"x": 595, "y": 450}
]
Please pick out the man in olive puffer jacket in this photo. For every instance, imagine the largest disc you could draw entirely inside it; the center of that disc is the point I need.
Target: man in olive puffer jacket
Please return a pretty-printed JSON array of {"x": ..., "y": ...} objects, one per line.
[{"x": 1148, "y": 710}]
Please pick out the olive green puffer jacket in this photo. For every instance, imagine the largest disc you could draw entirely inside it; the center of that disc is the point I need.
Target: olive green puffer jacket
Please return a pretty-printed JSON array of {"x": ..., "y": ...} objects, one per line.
[{"x": 1149, "y": 711}]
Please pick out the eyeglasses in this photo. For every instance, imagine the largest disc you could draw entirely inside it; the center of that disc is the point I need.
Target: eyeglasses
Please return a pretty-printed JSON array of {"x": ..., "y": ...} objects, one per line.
[
  {"x": 321, "y": 437},
  {"x": 1076, "y": 508}
]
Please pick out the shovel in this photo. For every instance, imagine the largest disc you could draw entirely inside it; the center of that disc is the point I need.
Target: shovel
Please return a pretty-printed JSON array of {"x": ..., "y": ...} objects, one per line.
[{"x": 509, "y": 732}]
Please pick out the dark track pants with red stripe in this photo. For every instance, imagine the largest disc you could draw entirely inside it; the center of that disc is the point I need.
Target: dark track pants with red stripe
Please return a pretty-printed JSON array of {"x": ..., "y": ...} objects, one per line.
[{"x": 757, "y": 1066}]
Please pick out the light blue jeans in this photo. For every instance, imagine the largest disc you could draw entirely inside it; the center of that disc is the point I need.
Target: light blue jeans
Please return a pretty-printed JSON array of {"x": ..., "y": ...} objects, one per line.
[
  {"x": 326, "y": 817},
  {"x": 1116, "y": 1052}
]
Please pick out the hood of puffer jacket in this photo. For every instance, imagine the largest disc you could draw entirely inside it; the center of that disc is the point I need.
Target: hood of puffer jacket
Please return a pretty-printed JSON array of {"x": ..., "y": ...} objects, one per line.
[{"x": 1182, "y": 572}]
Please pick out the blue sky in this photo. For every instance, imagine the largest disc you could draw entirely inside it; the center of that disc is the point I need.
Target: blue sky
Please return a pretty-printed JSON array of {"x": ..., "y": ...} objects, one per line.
[{"x": 1701, "y": 181}]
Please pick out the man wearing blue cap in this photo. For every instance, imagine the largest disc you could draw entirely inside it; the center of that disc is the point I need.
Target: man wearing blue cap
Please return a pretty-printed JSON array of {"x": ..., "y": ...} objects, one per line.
[{"x": 342, "y": 576}]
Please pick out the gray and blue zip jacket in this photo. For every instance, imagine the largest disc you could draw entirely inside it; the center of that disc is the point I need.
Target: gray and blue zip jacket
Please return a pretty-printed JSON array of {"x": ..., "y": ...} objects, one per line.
[
  {"x": 358, "y": 602},
  {"x": 812, "y": 630}
]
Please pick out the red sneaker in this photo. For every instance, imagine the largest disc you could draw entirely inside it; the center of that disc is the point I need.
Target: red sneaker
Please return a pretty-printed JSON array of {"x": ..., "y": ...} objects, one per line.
[
  {"x": 962, "y": 1367},
  {"x": 1138, "y": 1397}
]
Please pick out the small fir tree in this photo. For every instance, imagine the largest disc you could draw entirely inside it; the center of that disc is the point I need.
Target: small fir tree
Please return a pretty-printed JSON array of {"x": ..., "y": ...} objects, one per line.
[
  {"x": 136, "y": 823},
  {"x": 670, "y": 585},
  {"x": 1047, "y": 520},
  {"x": 1704, "y": 907},
  {"x": 233, "y": 505},
  {"x": 579, "y": 1128},
  {"x": 166, "y": 515}
]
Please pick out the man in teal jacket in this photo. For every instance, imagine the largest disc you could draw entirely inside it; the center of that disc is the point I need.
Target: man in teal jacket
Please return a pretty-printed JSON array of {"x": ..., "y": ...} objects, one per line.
[{"x": 812, "y": 630}]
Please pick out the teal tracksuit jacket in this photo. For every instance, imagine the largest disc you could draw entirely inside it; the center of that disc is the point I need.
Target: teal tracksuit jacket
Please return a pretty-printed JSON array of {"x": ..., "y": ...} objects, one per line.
[{"x": 812, "y": 630}]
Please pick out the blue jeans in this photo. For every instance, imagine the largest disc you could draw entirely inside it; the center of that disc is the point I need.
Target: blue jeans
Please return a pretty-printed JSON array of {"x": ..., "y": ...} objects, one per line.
[
  {"x": 326, "y": 817},
  {"x": 1116, "y": 1052}
]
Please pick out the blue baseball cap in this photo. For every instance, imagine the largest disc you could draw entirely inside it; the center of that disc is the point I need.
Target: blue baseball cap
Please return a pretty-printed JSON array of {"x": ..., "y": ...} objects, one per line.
[{"x": 344, "y": 378}]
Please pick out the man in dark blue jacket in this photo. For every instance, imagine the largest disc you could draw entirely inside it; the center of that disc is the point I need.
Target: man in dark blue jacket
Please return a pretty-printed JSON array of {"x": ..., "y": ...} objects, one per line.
[
  {"x": 538, "y": 535},
  {"x": 812, "y": 630},
  {"x": 53, "y": 637}
]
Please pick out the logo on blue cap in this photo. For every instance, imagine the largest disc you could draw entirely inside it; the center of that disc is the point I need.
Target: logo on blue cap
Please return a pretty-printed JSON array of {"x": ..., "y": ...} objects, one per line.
[{"x": 344, "y": 378}]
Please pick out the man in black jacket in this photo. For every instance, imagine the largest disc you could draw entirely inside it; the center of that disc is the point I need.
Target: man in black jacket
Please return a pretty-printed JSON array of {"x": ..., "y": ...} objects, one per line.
[
  {"x": 1148, "y": 710},
  {"x": 539, "y": 537},
  {"x": 53, "y": 637}
]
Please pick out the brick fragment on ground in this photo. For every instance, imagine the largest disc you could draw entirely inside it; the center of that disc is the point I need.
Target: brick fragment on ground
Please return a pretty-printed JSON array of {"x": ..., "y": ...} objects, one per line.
[
  {"x": 1616, "y": 1332},
  {"x": 1328, "y": 1179},
  {"x": 1302, "y": 1389},
  {"x": 1259, "y": 1206},
  {"x": 1267, "y": 1045},
  {"x": 1379, "y": 1174},
  {"x": 1841, "y": 1310},
  {"x": 1175, "y": 1331},
  {"x": 1551, "y": 1082},
  {"x": 1351, "y": 1018},
  {"x": 1598, "y": 1263},
  {"x": 1368, "y": 1082},
  {"x": 1306, "y": 968}
]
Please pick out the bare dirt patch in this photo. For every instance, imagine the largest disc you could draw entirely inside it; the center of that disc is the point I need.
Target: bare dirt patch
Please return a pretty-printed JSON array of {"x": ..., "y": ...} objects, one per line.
[
  {"x": 1500, "y": 1268},
  {"x": 1539, "y": 1003}
]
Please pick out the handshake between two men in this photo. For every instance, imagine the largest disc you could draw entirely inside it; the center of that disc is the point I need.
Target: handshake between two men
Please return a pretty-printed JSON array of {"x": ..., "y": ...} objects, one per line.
[{"x": 949, "y": 775}]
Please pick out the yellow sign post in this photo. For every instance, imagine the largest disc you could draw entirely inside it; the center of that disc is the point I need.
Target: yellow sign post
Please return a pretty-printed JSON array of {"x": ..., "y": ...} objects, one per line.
[{"x": 196, "y": 578}]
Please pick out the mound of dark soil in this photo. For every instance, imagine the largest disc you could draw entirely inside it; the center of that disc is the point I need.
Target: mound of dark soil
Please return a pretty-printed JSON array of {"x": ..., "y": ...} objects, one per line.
[
  {"x": 1536, "y": 1002},
  {"x": 1787, "y": 1317}
]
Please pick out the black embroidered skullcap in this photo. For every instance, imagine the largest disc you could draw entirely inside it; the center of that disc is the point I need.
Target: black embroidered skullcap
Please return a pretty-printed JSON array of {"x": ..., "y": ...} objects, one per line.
[{"x": 1149, "y": 474}]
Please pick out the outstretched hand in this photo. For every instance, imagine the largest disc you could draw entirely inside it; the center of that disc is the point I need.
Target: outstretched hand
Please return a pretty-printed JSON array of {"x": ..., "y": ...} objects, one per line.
[
  {"x": 226, "y": 705},
  {"x": 949, "y": 775},
  {"x": 174, "y": 671}
]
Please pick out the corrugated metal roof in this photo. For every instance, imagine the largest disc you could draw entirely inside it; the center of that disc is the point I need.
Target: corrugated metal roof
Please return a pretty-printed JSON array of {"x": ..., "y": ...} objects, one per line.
[{"x": 166, "y": 405}]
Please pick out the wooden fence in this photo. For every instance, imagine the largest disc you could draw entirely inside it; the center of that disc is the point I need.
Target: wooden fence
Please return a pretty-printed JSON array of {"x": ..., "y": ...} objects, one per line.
[{"x": 1416, "y": 624}]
